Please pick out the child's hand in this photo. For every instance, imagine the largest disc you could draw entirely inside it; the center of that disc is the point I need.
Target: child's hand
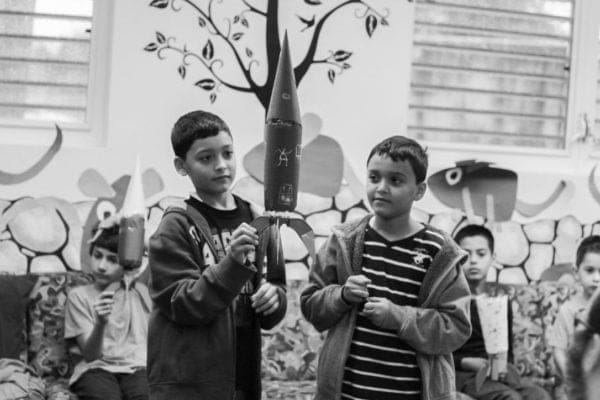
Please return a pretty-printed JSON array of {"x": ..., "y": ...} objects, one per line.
[
  {"x": 355, "y": 289},
  {"x": 379, "y": 311},
  {"x": 266, "y": 299},
  {"x": 243, "y": 241},
  {"x": 104, "y": 305}
]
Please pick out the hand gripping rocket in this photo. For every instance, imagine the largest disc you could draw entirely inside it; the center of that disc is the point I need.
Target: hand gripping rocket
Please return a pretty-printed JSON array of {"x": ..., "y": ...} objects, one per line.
[{"x": 283, "y": 134}]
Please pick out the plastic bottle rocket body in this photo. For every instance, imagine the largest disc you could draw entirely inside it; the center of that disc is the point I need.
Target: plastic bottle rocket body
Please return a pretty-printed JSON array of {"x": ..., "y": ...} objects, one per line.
[
  {"x": 283, "y": 138},
  {"x": 132, "y": 224}
]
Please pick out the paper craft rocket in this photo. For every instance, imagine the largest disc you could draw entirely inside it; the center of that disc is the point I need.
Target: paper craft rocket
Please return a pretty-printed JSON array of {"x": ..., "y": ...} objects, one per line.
[
  {"x": 132, "y": 224},
  {"x": 283, "y": 137}
]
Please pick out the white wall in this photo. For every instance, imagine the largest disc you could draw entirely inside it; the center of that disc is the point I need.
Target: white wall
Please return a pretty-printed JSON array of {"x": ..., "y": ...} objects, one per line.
[{"x": 367, "y": 103}]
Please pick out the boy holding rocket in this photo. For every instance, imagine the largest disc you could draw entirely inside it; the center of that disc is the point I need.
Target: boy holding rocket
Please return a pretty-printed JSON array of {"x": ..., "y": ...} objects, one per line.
[{"x": 211, "y": 300}]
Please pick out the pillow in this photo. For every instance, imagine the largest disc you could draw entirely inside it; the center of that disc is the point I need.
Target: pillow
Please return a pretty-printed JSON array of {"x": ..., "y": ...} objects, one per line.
[{"x": 14, "y": 293}]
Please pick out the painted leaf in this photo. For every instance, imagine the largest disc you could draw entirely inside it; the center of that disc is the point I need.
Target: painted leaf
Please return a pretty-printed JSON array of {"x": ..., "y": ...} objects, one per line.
[
  {"x": 160, "y": 38},
  {"x": 206, "y": 84},
  {"x": 237, "y": 36},
  {"x": 201, "y": 22},
  {"x": 181, "y": 70},
  {"x": 151, "y": 46},
  {"x": 159, "y": 3},
  {"x": 313, "y": 2},
  {"x": 249, "y": 52},
  {"x": 208, "y": 51},
  {"x": 371, "y": 24},
  {"x": 331, "y": 75},
  {"x": 236, "y": 19},
  {"x": 341, "y": 55},
  {"x": 346, "y": 66},
  {"x": 245, "y": 22},
  {"x": 213, "y": 97},
  {"x": 384, "y": 22}
]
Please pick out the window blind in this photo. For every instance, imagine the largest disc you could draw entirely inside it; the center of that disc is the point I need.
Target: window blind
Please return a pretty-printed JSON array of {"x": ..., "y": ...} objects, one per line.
[
  {"x": 491, "y": 72},
  {"x": 44, "y": 59}
]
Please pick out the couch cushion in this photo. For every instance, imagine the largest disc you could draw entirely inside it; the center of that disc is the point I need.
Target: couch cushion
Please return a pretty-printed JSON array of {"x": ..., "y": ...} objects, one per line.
[
  {"x": 14, "y": 292},
  {"x": 47, "y": 349}
]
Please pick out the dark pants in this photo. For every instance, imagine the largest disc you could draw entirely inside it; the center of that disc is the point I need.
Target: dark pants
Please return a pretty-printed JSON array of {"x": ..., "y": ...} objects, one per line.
[
  {"x": 98, "y": 384},
  {"x": 494, "y": 390}
]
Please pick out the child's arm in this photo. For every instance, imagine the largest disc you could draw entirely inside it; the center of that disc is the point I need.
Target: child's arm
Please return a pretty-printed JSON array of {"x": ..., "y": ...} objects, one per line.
[
  {"x": 559, "y": 337},
  {"x": 185, "y": 291},
  {"x": 326, "y": 300},
  {"x": 270, "y": 300},
  {"x": 439, "y": 330}
]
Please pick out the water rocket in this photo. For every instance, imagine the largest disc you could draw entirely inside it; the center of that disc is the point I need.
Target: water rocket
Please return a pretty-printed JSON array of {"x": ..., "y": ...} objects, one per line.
[
  {"x": 133, "y": 220},
  {"x": 283, "y": 140}
]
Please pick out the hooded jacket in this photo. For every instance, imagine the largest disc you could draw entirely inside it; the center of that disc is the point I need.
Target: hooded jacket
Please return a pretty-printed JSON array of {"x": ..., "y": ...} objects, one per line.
[
  {"x": 191, "y": 336},
  {"x": 437, "y": 327}
]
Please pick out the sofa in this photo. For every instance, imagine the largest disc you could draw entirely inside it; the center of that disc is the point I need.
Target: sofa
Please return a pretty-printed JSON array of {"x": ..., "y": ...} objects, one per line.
[{"x": 290, "y": 350}]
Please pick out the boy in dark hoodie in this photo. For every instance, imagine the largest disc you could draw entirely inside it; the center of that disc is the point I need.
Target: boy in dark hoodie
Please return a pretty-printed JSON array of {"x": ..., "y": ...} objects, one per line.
[
  {"x": 390, "y": 291},
  {"x": 211, "y": 300}
]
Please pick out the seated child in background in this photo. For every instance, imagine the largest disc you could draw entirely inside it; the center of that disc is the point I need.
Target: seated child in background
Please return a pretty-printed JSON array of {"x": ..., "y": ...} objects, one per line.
[
  {"x": 472, "y": 357},
  {"x": 582, "y": 375},
  {"x": 390, "y": 291},
  {"x": 106, "y": 327},
  {"x": 587, "y": 264}
]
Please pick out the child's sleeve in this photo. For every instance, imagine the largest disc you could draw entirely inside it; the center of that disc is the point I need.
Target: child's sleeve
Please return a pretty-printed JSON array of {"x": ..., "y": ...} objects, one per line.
[
  {"x": 276, "y": 276},
  {"x": 321, "y": 301},
  {"x": 184, "y": 290},
  {"x": 439, "y": 330},
  {"x": 78, "y": 319},
  {"x": 559, "y": 335}
]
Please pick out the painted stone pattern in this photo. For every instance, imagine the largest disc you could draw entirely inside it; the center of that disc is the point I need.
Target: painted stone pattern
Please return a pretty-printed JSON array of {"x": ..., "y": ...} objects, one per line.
[{"x": 44, "y": 235}]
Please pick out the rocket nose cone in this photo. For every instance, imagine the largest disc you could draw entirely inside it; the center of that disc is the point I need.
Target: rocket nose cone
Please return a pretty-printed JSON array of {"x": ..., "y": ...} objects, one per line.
[{"x": 284, "y": 97}]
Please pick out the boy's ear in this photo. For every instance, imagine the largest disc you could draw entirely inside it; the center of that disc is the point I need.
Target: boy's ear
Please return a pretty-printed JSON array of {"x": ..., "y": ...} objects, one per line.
[
  {"x": 179, "y": 166},
  {"x": 421, "y": 189}
]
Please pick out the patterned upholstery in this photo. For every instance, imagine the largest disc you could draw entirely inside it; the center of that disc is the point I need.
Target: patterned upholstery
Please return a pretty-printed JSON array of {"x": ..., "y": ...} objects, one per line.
[
  {"x": 290, "y": 350},
  {"x": 47, "y": 351}
]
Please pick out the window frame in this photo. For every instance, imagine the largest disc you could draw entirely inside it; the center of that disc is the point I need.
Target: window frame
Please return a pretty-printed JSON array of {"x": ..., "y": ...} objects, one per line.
[
  {"x": 583, "y": 66},
  {"x": 93, "y": 132}
]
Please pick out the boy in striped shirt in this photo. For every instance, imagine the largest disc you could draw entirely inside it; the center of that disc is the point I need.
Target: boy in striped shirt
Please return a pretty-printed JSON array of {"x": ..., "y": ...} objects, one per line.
[{"x": 390, "y": 291}]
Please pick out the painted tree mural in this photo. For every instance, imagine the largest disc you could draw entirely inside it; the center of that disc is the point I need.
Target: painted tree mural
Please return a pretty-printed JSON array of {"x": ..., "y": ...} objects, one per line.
[{"x": 231, "y": 30}]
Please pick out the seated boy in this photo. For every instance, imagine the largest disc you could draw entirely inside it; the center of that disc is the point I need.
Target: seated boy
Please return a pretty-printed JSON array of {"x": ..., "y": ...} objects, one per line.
[
  {"x": 478, "y": 241},
  {"x": 390, "y": 291},
  {"x": 106, "y": 327},
  {"x": 587, "y": 264}
]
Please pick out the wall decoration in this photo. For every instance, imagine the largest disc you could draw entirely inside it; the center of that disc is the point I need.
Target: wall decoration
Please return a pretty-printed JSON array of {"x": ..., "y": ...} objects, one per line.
[
  {"x": 224, "y": 43},
  {"x": 481, "y": 190},
  {"x": 12, "y": 179}
]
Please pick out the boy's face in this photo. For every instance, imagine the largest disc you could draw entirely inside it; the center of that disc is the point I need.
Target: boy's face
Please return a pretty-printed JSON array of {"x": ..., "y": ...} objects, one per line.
[
  {"x": 210, "y": 164},
  {"x": 392, "y": 187},
  {"x": 105, "y": 266},
  {"x": 589, "y": 272},
  {"x": 480, "y": 257}
]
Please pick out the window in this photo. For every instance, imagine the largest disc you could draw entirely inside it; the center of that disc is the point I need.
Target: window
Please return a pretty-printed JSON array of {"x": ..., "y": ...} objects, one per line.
[
  {"x": 492, "y": 72},
  {"x": 50, "y": 70}
]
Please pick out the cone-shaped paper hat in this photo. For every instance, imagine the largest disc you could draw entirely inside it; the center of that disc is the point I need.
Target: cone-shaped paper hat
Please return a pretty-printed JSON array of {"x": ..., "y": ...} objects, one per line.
[
  {"x": 284, "y": 98},
  {"x": 133, "y": 204}
]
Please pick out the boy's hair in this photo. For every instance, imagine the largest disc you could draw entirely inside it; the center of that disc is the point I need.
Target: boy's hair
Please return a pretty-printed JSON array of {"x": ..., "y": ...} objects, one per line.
[
  {"x": 405, "y": 149},
  {"x": 192, "y": 126},
  {"x": 475, "y": 230},
  {"x": 590, "y": 244},
  {"x": 107, "y": 238}
]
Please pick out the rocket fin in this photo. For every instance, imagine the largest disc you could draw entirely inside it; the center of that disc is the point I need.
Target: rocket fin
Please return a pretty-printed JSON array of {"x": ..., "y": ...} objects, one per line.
[
  {"x": 305, "y": 233},
  {"x": 261, "y": 223}
]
